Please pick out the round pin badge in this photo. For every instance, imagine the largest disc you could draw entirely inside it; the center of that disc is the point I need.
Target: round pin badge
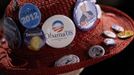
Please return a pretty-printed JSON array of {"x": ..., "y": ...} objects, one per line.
[
  {"x": 109, "y": 34},
  {"x": 59, "y": 31},
  {"x": 66, "y": 60},
  {"x": 34, "y": 39},
  {"x": 29, "y": 15},
  {"x": 109, "y": 42},
  {"x": 117, "y": 28},
  {"x": 125, "y": 34},
  {"x": 85, "y": 14},
  {"x": 96, "y": 51},
  {"x": 12, "y": 33}
]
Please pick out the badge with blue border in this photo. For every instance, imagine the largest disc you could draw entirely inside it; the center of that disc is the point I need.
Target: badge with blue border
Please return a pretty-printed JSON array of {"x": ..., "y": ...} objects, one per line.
[{"x": 29, "y": 15}]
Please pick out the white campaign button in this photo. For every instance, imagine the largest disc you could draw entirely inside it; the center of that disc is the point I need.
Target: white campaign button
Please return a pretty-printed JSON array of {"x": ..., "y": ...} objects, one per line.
[
  {"x": 66, "y": 60},
  {"x": 85, "y": 15},
  {"x": 59, "y": 31},
  {"x": 109, "y": 41},
  {"x": 109, "y": 34},
  {"x": 96, "y": 51},
  {"x": 99, "y": 11},
  {"x": 117, "y": 28}
]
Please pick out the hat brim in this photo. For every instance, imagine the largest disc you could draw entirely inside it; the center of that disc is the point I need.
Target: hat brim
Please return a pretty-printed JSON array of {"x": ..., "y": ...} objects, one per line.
[{"x": 42, "y": 62}]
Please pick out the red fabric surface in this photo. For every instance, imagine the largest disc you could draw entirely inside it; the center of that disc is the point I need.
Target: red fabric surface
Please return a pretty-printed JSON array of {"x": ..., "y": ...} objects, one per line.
[{"x": 42, "y": 62}]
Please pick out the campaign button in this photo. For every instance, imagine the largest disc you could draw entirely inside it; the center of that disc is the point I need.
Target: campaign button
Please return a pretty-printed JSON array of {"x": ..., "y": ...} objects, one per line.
[
  {"x": 12, "y": 33},
  {"x": 59, "y": 31},
  {"x": 109, "y": 34},
  {"x": 125, "y": 34},
  {"x": 34, "y": 39},
  {"x": 109, "y": 41},
  {"x": 117, "y": 28},
  {"x": 29, "y": 15},
  {"x": 96, "y": 51},
  {"x": 85, "y": 14},
  {"x": 66, "y": 60}
]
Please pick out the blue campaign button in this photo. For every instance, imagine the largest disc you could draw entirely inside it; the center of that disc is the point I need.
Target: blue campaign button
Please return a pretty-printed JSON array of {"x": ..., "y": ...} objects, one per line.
[
  {"x": 29, "y": 15},
  {"x": 34, "y": 39},
  {"x": 85, "y": 14}
]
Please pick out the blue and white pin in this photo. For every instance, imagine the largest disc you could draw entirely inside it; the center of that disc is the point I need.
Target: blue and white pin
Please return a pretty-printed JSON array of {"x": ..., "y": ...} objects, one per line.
[
  {"x": 29, "y": 15},
  {"x": 85, "y": 14},
  {"x": 34, "y": 39}
]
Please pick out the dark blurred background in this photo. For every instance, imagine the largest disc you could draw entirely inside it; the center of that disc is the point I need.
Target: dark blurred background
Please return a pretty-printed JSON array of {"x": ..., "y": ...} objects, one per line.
[
  {"x": 121, "y": 64},
  {"x": 3, "y": 5}
]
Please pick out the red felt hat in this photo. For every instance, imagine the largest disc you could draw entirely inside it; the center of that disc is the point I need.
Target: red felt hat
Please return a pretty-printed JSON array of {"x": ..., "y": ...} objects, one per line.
[{"x": 42, "y": 62}]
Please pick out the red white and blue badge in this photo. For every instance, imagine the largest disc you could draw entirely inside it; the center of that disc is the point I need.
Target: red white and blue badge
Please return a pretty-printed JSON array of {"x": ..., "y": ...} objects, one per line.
[
  {"x": 34, "y": 39},
  {"x": 85, "y": 14},
  {"x": 29, "y": 15},
  {"x": 59, "y": 31}
]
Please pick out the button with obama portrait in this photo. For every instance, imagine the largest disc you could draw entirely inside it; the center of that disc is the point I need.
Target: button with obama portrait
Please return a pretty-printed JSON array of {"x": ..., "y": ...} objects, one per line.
[{"x": 85, "y": 14}]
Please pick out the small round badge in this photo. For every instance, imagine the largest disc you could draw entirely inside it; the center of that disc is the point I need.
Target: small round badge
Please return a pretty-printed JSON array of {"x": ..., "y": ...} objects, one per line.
[
  {"x": 29, "y": 15},
  {"x": 109, "y": 34},
  {"x": 109, "y": 41},
  {"x": 85, "y": 14},
  {"x": 125, "y": 34},
  {"x": 59, "y": 31},
  {"x": 117, "y": 28},
  {"x": 66, "y": 60},
  {"x": 34, "y": 39},
  {"x": 96, "y": 51}
]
